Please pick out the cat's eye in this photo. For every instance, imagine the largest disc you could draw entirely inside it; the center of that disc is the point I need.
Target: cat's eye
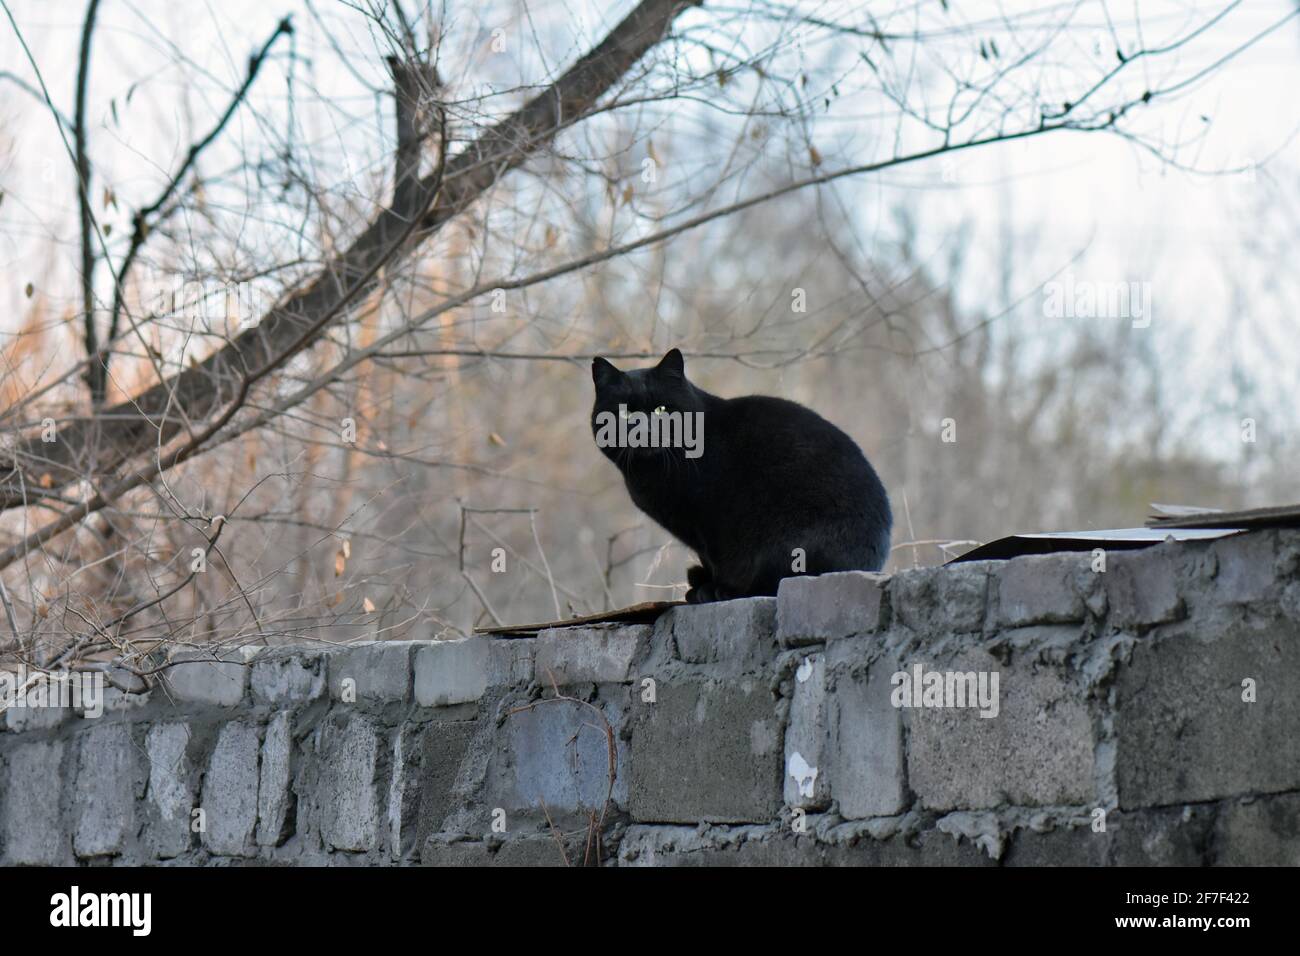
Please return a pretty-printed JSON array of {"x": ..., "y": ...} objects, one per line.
[{"x": 660, "y": 409}]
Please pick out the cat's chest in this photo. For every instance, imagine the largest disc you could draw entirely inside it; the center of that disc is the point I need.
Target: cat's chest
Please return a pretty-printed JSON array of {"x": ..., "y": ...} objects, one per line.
[{"x": 662, "y": 492}]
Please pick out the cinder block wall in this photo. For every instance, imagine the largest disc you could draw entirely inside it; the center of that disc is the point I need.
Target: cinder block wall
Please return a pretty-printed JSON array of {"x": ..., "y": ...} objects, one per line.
[{"x": 1148, "y": 713}]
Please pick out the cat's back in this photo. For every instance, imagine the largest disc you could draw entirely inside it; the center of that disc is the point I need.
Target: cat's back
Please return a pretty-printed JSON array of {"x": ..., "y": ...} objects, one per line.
[
  {"x": 772, "y": 425},
  {"x": 780, "y": 458}
]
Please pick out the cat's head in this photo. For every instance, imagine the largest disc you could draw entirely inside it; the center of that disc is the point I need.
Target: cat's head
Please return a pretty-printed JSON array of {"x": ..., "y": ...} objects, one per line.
[{"x": 655, "y": 393}]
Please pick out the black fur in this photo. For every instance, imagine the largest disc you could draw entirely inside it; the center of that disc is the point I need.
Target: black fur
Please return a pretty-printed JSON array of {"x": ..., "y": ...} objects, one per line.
[{"x": 774, "y": 476}]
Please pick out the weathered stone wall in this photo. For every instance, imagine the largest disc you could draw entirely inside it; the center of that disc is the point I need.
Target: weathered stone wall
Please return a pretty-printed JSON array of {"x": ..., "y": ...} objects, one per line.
[{"x": 1147, "y": 713}]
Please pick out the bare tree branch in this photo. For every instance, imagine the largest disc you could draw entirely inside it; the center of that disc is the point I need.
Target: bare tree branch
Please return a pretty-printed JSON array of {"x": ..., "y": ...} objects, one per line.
[
  {"x": 154, "y": 417},
  {"x": 88, "y": 236},
  {"x": 142, "y": 221}
]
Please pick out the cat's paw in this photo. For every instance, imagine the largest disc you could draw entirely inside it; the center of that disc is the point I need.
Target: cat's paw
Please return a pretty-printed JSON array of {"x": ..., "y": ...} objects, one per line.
[
  {"x": 697, "y": 575},
  {"x": 703, "y": 593},
  {"x": 706, "y": 592},
  {"x": 702, "y": 589}
]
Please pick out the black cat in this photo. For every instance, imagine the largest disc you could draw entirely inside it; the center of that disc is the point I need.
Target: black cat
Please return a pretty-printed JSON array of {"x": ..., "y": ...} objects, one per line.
[{"x": 764, "y": 490}]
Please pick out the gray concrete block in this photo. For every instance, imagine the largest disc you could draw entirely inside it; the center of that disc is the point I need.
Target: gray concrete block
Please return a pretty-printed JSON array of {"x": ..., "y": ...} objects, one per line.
[
  {"x": 171, "y": 798},
  {"x": 229, "y": 798},
  {"x": 1259, "y": 831},
  {"x": 560, "y": 757},
  {"x": 1058, "y": 846},
  {"x": 1289, "y": 601},
  {"x": 36, "y": 705},
  {"x": 118, "y": 688},
  {"x": 1038, "y": 750},
  {"x": 912, "y": 600},
  {"x": 218, "y": 677},
  {"x": 532, "y": 851},
  {"x": 350, "y": 808},
  {"x": 811, "y": 610},
  {"x": 443, "y": 747},
  {"x": 1246, "y": 567},
  {"x": 10, "y": 681},
  {"x": 34, "y": 834},
  {"x": 941, "y": 600},
  {"x": 1185, "y": 734},
  {"x": 116, "y": 701},
  {"x": 1166, "y": 836},
  {"x": 451, "y": 672},
  {"x": 436, "y": 851},
  {"x": 706, "y": 751},
  {"x": 544, "y": 850},
  {"x": 524, "y": 851},
  {"x": 806, "y": 785},
  {"x": 375, "y": 672},
  {"x": 290, "y": 678},
  {"x": 589, "y": 655},
  {"x": 273, "y": 780},
  {"x": 104, "y": 797},
  {"x": 1286, "y": 559},
  {"x": 739, "y": 633},
  {"x": 1142, "y": 589},
  {"x": 405, "y": 793},
  {"x": 865, "y": 765},
  {"x": 511, "y": 661},
  {"x": 924, "y": 848},
  {"x": 1042, "y": 589},
  {"x": 28, "y": 718}
]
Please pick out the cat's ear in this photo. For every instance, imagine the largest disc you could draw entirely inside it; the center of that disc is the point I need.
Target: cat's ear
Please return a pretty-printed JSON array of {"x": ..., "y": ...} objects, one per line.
[
  {"x": 673, "y": 363},
  {"x": 602, "y": 372}
]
